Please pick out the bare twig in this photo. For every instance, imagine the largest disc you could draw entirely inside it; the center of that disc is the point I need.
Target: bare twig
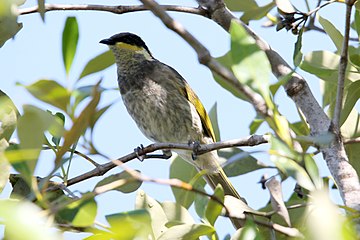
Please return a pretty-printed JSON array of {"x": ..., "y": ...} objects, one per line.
[
  {"x": 342, "y": 70},
  {"x": 203, "y": 148},
  {"x": 112, "y": 9}
]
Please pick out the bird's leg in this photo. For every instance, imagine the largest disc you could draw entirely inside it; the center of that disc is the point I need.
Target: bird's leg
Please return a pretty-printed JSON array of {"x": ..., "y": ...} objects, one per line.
[
  {"x": 196, "y": 147},
  {"x": 166, "y": 154}
]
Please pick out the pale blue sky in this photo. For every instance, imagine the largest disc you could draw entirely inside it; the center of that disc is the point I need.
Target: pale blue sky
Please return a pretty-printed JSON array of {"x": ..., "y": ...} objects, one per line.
[{"x": 35, "y": 53}]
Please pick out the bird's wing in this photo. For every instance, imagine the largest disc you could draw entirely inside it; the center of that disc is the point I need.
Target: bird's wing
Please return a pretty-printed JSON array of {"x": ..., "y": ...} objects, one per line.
[{"x": 191, "y": 96}]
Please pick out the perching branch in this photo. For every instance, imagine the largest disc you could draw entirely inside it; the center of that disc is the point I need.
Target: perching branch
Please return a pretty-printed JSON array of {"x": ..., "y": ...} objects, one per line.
[{"x": 101, "y": 169}]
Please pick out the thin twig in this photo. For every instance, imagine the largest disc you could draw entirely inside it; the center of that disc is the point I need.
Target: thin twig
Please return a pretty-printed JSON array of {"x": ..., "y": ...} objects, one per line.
[
  {"x": 112, "y": 9},
  {"x": 342, "y": 70},
  {"x": 100, "y": 170}
]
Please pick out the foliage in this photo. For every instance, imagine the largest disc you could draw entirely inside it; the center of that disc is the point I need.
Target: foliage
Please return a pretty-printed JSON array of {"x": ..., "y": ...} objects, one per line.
[{"x": 68, "y": 134}]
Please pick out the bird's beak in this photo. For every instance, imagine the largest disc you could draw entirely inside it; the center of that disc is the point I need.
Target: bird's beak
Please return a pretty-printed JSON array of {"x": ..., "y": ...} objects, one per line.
[{"x": 107, "y": 41}]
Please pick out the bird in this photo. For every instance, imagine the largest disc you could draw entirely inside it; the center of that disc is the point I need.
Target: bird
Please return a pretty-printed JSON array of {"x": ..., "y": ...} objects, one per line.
[{"x": 164, "y": 106}]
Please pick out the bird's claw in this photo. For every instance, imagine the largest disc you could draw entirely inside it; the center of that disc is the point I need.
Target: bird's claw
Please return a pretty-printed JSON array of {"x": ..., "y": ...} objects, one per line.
[
  {"x": 138, "y": 151},
  {"x": 196, "y": 147}
]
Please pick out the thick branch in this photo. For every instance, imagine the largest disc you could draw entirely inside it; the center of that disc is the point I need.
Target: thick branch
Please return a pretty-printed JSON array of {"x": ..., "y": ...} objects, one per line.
[
  {"x": 200, "y": 149},
  {"x": 298, "y": 90}
]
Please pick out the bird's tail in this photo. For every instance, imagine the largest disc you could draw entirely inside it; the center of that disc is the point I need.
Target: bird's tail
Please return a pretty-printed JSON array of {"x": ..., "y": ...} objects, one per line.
[{"x": 215, "y": 175}]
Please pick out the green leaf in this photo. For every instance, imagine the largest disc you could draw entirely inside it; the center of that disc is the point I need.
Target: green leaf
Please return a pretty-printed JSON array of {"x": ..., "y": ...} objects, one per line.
[
  {"x": 70, "y": 39},
  {"x": 23, "y": 220},
  {"x": 51, "y": 92},
  {"x": 31, "y": 127},
  {"x": 297, "y": 57},
  {"x": 41, "y": 9},
  {"x": 249, "y": 64},
  {"x": 176, "y": 213},
  {"x": 187, "y": 231},
  {"x": 333, "y": 33},
  {"x": 8, "y": 116},
  {"x": 80, "y": 213},
  {"x": 352, "y": 92},
  {"x": 357, "y": 18},
  {"x": 257, "y": 13},
  {"x": 323, "y": 64},
  {"x": 285, "y": 160},
  {"x": 130, "y": 184},
  {"x": 4, "y": 165},
  {"x": 84, "y": 92},
  {"x": 214, "y": 121},
  {"x": 255, "y": 124},
  {"x": 98, "y": 64},
  {"x": 130, "y": 225},
  {"x": 185, "y": 172},
  {"x": 313, "y": 171},
  {"x": 241, "y": 6},
  {"x": 226, "y": 61},
  {"x": 157, "y": 214},
  {"x": 8, "y": 20},
  {"x": 79, "y": 125},
  {"x": 351, "y": 128},
  {"x": 239, "y": 162},
  {"x": 353, "y": 153},
  {"x": 213, "y": 209}
]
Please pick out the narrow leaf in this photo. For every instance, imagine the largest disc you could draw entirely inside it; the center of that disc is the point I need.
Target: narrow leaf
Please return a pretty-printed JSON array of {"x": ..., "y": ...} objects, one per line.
[
  {"x": 130, "y": 184},
  {"x": 276, "y": 198},
  {"x": 41, "y": 9},
  {"x": 70, "y": 39},
  {"x": 214, "y": 121},
  {"x": 297, "y": 57},
  {"x": 333, "y": 32},
  {"x": 213, "y": 209},
  {"x": 187, "y": 231},
  {"x": 98, "y": 64}
]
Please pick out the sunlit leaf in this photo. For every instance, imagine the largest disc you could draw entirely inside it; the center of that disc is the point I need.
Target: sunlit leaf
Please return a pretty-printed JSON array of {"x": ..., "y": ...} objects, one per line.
[
  {"x": 4, "y": 164},
  {"x": 98, "y": 64},
  {"x": 130, "y": 225},
  {"x": 8, "y": 20},
  {"x": 184, "y": 171},
  {"x": 249, "y": 64},
  {"x": 80, "y": 213},
  {"x": 226, "y": 61},
  {"x": 130, "y": 184},
  {"x": 187, "y": 231},
  {"x": 332, "y": 32},
  {"x": 242, "y": 6},
  {"x": 23, "y": 220},
  {"x": 352, "y": 93},
  {"x": 257, "y": 13},
  {"x": 176, "y": 213},
  {"x": 8, "y": 116},
  {"x": 213, "y": 208},
  {"x": 70, "y": 39},
  {"x": 51, "y": 92},
  {"x": 157, "y": 214}
]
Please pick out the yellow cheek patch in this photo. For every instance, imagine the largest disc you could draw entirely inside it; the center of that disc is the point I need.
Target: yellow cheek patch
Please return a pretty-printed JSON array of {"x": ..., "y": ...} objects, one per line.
[{"x": 128, "y": 46}]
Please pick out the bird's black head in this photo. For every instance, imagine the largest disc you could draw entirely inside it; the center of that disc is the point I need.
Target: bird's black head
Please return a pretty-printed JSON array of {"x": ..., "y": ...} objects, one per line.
[{"x": 125, "y": 37}]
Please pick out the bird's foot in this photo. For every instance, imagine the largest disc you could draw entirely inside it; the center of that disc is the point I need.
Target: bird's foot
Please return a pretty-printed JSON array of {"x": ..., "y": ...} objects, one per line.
[
  {"x": 196, "y": 147},
  {"x": 139, "y": 153},
  {"x": 166, "y": 154}
]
